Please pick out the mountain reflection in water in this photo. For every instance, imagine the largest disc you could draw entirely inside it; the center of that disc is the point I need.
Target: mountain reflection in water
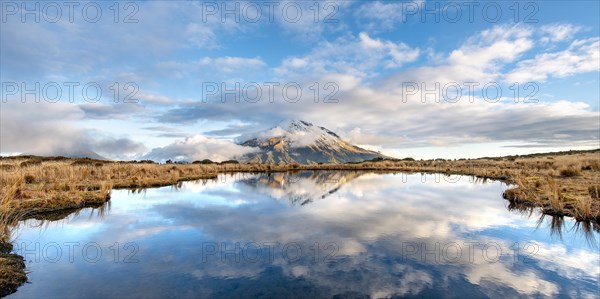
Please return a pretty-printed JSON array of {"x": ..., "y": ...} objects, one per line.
[{"x": 318, "y": 234}]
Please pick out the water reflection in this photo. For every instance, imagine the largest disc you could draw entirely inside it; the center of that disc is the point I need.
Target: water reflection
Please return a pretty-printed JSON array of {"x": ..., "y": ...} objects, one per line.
[
  {"x": 302, "y": 187},
  {"x": 316, "y": 234},
  {"x": 557, "y": 224}
]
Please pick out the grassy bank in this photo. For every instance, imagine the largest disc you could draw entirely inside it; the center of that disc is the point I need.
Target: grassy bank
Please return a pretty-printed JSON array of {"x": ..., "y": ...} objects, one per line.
[
  {"x": 12, "y": 270},
  {"x": 566, "y": 183}
]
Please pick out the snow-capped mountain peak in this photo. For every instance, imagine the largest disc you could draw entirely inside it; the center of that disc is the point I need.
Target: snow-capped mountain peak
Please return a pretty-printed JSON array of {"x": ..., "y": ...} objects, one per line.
[{"x": 301, "y": 141}]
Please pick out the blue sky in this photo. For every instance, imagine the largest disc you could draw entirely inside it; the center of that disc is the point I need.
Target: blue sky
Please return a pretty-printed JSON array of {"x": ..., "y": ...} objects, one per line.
[{"x": 370, "y": 54}]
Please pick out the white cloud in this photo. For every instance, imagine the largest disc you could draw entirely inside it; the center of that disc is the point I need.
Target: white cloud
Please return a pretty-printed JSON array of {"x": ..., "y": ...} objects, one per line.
[
  {"x": 525, "y": 282},
  {"x": 480, "y": 58},
  {"x": 399, "y": 54},
  {"x": 379, "y": 15},
  {"x": 498, "y": 44},
  {"x": 558, "y": 32},
  {"x": 580, "y": 57},
  {"x": 201, "y": 36},
  {"x": 199, "y": 147},
  {"x": 358, "y": 56},
  {"x": 295, "y": 62},
  {"x": 55, "y": 129}
]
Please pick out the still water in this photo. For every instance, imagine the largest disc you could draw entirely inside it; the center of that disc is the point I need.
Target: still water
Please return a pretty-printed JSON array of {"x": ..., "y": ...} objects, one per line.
[{"x": 310, "y": 234}]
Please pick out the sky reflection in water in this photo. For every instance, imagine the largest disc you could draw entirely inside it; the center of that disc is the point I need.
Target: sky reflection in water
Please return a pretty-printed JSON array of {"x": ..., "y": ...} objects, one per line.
[{"x": 309, "y": 235}]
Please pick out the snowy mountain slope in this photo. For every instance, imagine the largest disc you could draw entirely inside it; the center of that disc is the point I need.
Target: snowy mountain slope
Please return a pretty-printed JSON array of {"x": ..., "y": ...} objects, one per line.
[{"x": 302, "y": 142}]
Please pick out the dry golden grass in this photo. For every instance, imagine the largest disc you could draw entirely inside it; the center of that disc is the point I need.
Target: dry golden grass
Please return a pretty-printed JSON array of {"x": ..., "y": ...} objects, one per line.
[
  {"x": 12, "y": 266},
  {"x": 12, "y": 271},
  {"x": 26, "y": 184}
]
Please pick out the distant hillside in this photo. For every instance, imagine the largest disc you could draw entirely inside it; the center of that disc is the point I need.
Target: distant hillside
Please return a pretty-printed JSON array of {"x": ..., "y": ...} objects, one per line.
[{"x": 74, "y": 155}]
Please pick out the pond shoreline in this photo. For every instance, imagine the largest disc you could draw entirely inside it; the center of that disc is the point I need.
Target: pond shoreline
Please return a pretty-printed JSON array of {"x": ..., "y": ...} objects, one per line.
[{"x": 35, "y": 185}]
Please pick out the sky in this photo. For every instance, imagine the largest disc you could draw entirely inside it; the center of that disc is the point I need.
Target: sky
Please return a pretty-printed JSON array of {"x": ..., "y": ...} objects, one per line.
[{"x": 419, "y": 79}]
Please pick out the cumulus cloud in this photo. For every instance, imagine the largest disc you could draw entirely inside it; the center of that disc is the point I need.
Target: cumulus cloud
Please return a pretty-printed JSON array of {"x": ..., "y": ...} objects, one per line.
[
  {"x": 358, "y": 56},
  {"x": 479, "y": 59},
  {"x": 558, "y": 32},
  {"x": 199, "y": 147},
  {"x": 498, "y": 44},
  {"x": 580, "y": 57},
  {"x": 399, "y": 54}
]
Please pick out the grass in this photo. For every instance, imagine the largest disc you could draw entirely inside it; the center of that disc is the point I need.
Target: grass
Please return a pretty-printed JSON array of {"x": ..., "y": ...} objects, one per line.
[
  {"x": 12, "y": 266},
  {"x": 12, "y": 270},
  {"x": 570, "y": 172},
  {"x": 594, "y": 191}
]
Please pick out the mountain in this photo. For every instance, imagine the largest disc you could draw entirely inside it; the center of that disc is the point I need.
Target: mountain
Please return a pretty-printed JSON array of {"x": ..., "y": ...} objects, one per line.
[{"x": 302, "y": 142}]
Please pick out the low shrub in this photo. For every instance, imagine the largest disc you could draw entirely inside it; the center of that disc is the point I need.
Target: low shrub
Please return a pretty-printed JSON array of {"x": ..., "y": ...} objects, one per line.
[
  {"x": 569, "y": 172},
  {"x": 29, "y": 179},
  {"x": 30, "y": 163}
]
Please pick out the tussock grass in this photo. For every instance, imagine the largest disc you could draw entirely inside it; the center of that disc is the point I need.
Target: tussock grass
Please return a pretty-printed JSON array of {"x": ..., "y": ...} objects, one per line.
[
  {"x": 592, "y": 164},
  {"x": 584, "y": 209},
  {"x": 553, "y": 194},
  {"x": 12, "y": 271},
  {"x": 594, "y": 191},
  {"x": 570, "y": 172}
]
